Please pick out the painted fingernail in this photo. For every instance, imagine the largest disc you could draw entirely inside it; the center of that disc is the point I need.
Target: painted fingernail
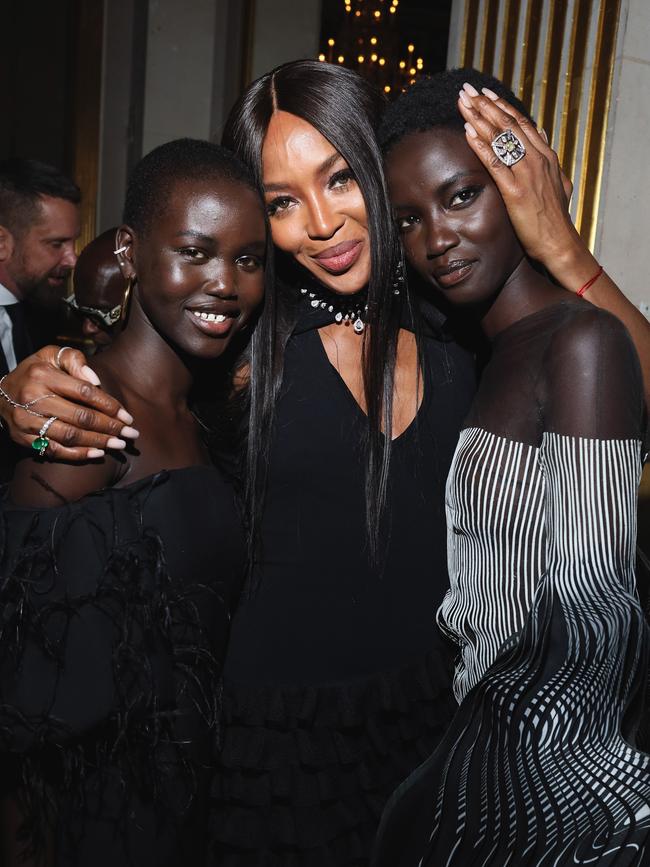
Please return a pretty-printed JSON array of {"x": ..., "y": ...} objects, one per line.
[
  {"x": 125, "y": 416},
  {"x": 464, "y": 99},
  {"x": 89, "y": 375},
  {"x": 130, "y": 433},
  {"x": 469, "y": 129},
  {"x": 542, "y": 132},
  {"x": 95, "y": 453},
  {"x": 468, "y": 88},
  {"x": 490, "y": 94},
  {"x": 114, "y": 443}
]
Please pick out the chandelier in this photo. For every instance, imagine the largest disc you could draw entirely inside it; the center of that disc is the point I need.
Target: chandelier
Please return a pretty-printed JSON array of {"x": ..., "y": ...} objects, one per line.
[{"x": 369, "y": 42}]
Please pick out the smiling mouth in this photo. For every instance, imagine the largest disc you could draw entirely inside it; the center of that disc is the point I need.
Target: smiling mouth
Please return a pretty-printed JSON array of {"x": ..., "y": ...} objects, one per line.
[
  {"x": 454, "y": 273},
  {"x": 339, "y": 258},
  {"x": 214, "y": 324},
  {"x": 210, "y": 317}
]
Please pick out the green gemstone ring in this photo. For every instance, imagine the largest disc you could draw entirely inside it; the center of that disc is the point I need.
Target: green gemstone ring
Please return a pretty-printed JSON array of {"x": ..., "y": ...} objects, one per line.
[{"x": 41, "y": 442}]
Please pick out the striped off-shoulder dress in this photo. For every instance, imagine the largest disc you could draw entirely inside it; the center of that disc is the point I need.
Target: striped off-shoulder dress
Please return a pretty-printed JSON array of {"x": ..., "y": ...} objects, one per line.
[{"x": 540, "y": 765}]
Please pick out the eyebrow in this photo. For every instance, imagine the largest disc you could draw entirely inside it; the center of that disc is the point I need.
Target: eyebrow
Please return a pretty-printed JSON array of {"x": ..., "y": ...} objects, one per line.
[
  {"x": 322, "y": 169},
  {"x": 199, "y": 236},
  {"x": 453, "y": 180}
]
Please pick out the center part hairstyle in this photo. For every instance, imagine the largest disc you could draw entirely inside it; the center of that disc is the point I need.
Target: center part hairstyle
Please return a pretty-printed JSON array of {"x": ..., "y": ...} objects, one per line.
[{"x": 346, "y": 110}]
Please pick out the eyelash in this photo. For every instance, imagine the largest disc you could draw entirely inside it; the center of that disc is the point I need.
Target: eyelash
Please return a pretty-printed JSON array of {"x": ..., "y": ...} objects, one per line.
[
  {"x": 340, "y": 179},
  {"x": 470, "y": 192},
  {"x": 279, "y": 204},
  {"x": 249, "y": 262},
  {"x": 190, "y": 253}
]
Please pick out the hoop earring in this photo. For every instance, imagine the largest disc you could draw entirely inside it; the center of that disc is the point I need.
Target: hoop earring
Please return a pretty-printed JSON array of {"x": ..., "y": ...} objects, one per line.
[{"x": 130, "y": 283}]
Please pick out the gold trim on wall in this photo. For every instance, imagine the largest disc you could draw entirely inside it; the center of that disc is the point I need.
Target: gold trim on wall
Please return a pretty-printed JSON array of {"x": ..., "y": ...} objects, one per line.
[
  {"x": 596, "y": 133},
  {"x": 469, "y": 34},
  {"x": 574, "y": 105},
  {"x": 509, "y": 42}
]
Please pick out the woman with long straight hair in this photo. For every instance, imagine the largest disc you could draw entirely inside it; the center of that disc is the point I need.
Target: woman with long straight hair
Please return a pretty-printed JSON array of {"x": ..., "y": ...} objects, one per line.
[{"x": 337, "y": 683}]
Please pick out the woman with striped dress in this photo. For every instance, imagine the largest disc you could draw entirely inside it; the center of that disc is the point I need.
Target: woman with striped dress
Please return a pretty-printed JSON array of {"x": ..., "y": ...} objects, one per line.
[{"x": 539, "y": 765}]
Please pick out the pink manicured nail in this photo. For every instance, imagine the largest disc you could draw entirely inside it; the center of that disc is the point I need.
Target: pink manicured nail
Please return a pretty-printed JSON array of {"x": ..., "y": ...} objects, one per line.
[
  {"x": 89, "y": 375},
  {"x": 470, "y": 89},
  {"x": 469, "y": 129},
  {"x": 130, "y": 433},
  {"x": 464, "y": 99},
  {"x": 95, "y": 453},
  {"x": 125, "y": 416},
  {"x": 490, "y": 94},
  {"x": 115, "y": 443}
]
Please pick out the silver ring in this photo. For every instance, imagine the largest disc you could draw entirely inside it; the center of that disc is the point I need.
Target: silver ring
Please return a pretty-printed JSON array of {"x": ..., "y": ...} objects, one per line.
[
  {"x": 48, "y": 424},
  {"x": 41, "y": 443},
  {"x": 508, "y": 148},
  {"x": 59, "y": 354}
]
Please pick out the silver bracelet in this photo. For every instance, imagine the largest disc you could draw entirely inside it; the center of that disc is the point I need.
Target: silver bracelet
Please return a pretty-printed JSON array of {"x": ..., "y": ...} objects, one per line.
[{"x": 25, "y": 406}]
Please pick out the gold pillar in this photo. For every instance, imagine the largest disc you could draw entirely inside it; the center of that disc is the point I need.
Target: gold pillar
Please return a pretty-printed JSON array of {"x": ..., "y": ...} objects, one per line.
[{"x": 557, "y": 56}]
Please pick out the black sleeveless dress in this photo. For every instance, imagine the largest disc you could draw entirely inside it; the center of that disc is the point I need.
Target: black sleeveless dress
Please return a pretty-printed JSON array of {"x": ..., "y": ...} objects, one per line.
[
  {"x": 337, "y": 682},
  {"x": 115, "y": 617}
]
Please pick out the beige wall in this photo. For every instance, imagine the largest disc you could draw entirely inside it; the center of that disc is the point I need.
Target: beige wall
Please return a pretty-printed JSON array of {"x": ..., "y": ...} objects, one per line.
[{"x": 623, "y": 242}]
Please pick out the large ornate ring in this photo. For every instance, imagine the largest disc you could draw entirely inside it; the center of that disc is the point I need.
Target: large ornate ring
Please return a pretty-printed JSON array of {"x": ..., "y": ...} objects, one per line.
[
  {"x": 59, "y": 354},
  {"x": 41, "y": 442},
  {"x": 508, "y": 148}
]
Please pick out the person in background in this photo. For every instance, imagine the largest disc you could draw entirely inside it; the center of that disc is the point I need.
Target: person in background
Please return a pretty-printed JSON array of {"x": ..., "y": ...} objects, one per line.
[
  {"x": 98, "y": 291},
  {"x": 39, "y": 224}
]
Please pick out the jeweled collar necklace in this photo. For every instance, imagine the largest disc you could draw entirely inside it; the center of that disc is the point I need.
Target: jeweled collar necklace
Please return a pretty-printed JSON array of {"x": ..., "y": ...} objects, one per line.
[{"x": 346, "y": 309}]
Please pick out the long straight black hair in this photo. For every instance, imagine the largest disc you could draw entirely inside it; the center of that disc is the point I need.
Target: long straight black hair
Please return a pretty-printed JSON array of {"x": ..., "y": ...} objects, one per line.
[{"x": 346, "y": 110}]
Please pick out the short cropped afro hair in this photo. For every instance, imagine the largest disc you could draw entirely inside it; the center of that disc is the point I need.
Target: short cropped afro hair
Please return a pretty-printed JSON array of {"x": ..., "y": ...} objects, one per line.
[
  {"x": 179, "y": 160},
  {"x": 433, "y": 102}
]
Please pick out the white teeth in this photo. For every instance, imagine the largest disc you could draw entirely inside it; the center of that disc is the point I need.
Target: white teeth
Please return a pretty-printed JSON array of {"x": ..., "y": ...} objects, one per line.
[{"x": 209, "y": 317}]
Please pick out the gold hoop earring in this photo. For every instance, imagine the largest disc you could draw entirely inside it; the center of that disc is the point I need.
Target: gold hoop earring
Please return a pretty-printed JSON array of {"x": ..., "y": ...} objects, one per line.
[{"x": 126, "y": 298}]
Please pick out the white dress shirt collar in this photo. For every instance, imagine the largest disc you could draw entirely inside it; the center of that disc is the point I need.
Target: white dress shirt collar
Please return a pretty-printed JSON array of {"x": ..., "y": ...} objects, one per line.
[{"x": 7, "y": 297}]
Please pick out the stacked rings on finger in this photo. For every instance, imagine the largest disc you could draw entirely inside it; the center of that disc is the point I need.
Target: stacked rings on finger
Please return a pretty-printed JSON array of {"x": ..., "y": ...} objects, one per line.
[
  {"x": 508, "y": 148},
  {"x": 41, "y": 442}
]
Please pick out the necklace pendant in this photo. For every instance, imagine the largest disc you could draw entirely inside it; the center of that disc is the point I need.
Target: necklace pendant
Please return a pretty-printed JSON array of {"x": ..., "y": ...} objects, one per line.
[{"x": 358, "y": 325}]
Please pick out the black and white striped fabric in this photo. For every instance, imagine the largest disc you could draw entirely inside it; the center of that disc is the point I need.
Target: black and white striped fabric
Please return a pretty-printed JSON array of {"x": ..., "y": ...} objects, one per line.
[
  {"x": 542, "y": 731},
  {"x": 539, "y": 768}
]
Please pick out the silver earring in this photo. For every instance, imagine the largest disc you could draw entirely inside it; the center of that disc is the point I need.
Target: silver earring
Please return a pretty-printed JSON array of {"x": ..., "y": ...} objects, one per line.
[{"x": 398, "y": 277}]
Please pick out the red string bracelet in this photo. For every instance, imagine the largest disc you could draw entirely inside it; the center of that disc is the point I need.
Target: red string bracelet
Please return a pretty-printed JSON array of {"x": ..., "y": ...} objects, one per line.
[{"x": 581, "y": 291}]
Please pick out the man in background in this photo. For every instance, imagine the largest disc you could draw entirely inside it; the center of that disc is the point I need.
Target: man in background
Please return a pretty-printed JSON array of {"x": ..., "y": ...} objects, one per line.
[
  {"x": 39, "y": 224},
  {"x": 99, "y": 288}
]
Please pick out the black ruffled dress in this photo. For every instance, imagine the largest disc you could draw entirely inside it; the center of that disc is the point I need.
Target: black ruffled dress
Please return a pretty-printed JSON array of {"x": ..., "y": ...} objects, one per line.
[
  {"x": 115, "y": 617},
  {"x": 337, "y": 681}
]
